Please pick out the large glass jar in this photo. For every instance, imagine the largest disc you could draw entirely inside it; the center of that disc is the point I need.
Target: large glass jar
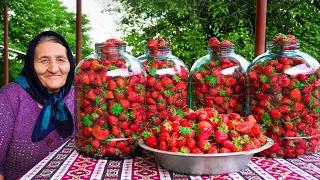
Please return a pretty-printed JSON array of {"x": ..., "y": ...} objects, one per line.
[
  {"x": 218, "y": 79},
  {"x": 283, "y": 95},
  {"x": 110, "y": 102},
  {"x": 167, "y": 84}
]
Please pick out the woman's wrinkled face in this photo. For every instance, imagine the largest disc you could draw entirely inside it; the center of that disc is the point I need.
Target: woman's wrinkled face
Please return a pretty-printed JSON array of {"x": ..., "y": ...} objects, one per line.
[{"x": 51, "y": 65}]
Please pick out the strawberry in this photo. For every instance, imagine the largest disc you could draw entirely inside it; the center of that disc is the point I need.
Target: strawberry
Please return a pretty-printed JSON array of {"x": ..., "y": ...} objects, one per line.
[
  {"x": 230, "y": 82},
  {"x": 197, "y": 151},
  {"x": 275, "y": 114},
  {"x": 120, "y": 82},
  {"x": 125, "y": 104},
  {"x": 221, "y": 135},
  {"x": 112, "y": 85},
  {"x": 213, "y": 42},
  {"x": 191, "y": 143},
  {"x": 85, "y": 64},
  {"x": 203, "y": 145},
  {"x": 95, "y": 144},
  {"x": 150, "y": 139},
  {"x": 295, "y": 94}
]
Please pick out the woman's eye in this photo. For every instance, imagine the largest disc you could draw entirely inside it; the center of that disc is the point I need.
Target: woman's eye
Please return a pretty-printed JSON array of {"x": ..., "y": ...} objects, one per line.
[
  {"x": 61, "y": 59},
  {"x": 44, "y": 60}
]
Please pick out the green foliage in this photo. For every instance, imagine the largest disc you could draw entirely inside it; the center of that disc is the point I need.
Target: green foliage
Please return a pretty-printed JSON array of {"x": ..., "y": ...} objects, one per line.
[
  {"x": 27, "y": 18},
  {"x": 188, "y": 24}
]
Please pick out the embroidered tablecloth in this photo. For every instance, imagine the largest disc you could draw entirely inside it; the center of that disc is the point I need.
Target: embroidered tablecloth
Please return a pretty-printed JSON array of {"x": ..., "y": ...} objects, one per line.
[{"x": 66, "y": 163}]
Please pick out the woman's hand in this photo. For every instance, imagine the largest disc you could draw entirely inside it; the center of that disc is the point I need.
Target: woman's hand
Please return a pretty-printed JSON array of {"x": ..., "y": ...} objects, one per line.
[{"x": 1, "y": 177}]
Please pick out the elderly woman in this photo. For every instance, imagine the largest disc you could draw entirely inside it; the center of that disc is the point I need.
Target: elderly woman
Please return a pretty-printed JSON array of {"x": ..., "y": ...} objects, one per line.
[{"x": 37, "y": 110}]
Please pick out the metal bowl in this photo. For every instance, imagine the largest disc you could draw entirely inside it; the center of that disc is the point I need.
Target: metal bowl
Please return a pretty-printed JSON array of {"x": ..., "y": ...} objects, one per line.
[{"x": 204, "y": 164}]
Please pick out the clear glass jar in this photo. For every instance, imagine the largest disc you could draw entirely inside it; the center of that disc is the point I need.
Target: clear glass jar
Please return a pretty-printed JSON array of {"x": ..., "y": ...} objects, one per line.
[
  {"x": 110, "y": 102},
  {"x": 167, "y": 83},
  {"x": 218, "y": 80},
  {"x": 283, "y": 95}
]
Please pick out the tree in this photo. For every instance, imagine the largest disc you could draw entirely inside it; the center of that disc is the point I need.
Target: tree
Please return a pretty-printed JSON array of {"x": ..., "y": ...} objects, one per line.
[
  {"x": 29, "y": 17},
  {"x": 188, "y": 24}
]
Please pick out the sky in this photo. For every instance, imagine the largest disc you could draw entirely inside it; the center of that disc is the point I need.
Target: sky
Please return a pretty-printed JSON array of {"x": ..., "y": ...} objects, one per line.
[{"x": 103, "y": 24}]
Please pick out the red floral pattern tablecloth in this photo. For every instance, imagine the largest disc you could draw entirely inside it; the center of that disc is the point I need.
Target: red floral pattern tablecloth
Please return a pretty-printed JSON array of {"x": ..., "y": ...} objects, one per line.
[{"x": 66, "y": 163}]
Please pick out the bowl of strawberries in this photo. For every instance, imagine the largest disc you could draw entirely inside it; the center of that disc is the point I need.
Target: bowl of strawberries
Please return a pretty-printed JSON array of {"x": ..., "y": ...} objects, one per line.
[{"x": 203, "y": 142}]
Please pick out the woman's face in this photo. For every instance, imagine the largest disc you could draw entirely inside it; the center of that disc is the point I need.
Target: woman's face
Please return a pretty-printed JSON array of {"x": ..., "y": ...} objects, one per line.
[{"x": 51, "y": 65}]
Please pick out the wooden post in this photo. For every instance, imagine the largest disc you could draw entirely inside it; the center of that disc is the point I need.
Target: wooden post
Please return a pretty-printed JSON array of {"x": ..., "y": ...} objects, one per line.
[
  {"x": 6, "y": 48},
  {"x": 79, "y": 31},
  {"x": 261, "y": 18}
]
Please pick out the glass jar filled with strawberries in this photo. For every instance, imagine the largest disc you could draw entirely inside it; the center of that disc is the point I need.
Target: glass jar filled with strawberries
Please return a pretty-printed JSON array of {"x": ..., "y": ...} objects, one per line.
[
  {"x": 167, "y": 82},
  {"x": 218, "y": 79},
  {"x": 283, "y": 95},
  {"x": 110, "y": 102}
]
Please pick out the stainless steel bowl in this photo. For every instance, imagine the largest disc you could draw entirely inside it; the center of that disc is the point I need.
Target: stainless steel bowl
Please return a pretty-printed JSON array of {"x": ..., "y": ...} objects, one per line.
[{"x": 204, "y": 164}]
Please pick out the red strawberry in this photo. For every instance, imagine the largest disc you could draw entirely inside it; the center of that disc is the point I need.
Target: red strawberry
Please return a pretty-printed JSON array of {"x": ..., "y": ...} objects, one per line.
[
  {"x": 213, "y": 42},
  {"x": 226, "y": 43},
  {"x": 220, "y": 136},
  {"x": 204, "y": 145},
  {"x": 191, "y": 143},
  {"x": 213, "y": 149},
  {"x": 85, "y": 64},
  {"x": 230, "y": 82},
  {"x": 120, "y": 82},
  {"x": 95, "y": 144},
  {"x": 196, "y": 151},
  {"x": 85, "y": 79},
  {"x": 275, "y": 114},
  {"x": 205, "y": 126},
  {"x": 125, "y": 104},
  {"x": 115, "y": 131},
  {"x": 112, "y": 85},
  {"x": 218, "y": 100},
  {"x": 295, "y": 94}
]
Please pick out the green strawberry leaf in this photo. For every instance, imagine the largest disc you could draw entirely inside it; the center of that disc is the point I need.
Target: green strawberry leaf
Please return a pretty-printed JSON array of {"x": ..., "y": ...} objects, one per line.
[
  {"x": 138, "y": 86},
  {"x": 202, "y": 81},
  {"x": 264, "y": 79},
  {"x": 311, "y": 101},
  {"x": 317, "y": 109},
  {"x": 134, "y": 136},
  {"x": 185, "y": 130},
  {"x": 311, "y": 78},
  {"x": 104, "y": 107},
  {"x": 169, "y": 92},
  {"x": 222, "y": 92},
  {"x": 176, "y": 78},
  {"x": 153, "y": 71},
  {"x": 129, "y": 115},
  {"x": 118, "y": 90},
  {"x": 203, "y": 69},
  {"x": 211, "y": 79},
  {"x": 112, "y": 67},
  {"x": 267, "y": 119},
  {"x": 87, "y": 121},
  {"x": 94, "y": 115},
  {"x": 237, "y": 142},
  {"x": 178, "y": 112},
  {"x": 88, "y": 148},
  {"x": 298, "y": 85},
  {"x": 146, "y": 134},
  {"x": 98, "y": 100},
  {"x": 223, "y": 128},
  {"x": 170, "y": 86},
  {"x": 116, "y": 109}
]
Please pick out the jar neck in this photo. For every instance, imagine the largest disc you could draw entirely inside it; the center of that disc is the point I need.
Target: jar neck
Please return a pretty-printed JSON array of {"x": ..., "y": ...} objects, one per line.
[
  {"x": 106, "y": 48},
  {"x": 158, "y": 51},
  {"x": 220, "y": 50},
  {"x": 282, "y": 48}
]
